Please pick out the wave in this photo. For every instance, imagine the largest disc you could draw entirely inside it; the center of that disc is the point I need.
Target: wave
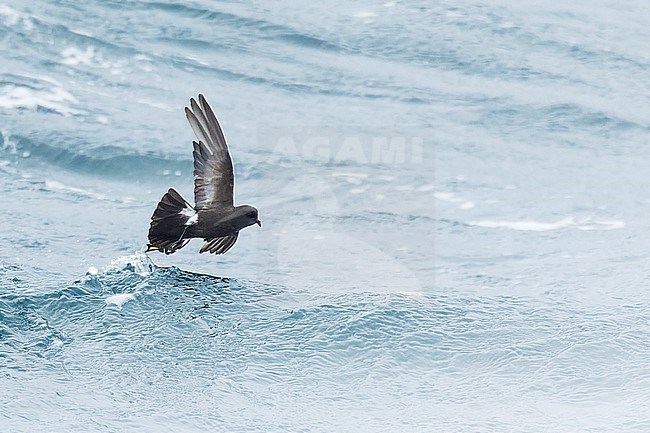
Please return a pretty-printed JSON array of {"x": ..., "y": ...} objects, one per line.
[
  {"x": 132, "y": 300},
  {"x": 266, "y": 29},
  {"x": 164, "y": 333},
  {"x": 108, "y": 161},
  {"x": 133, "y": 304}
]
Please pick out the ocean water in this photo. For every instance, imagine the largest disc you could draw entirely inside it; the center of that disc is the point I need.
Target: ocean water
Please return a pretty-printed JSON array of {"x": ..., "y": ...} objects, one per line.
[{"x": 454, "y": 201}]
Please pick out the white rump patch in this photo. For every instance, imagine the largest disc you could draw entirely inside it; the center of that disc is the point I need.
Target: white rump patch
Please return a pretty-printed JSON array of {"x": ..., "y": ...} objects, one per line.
[{"x": 192, "y": 215}]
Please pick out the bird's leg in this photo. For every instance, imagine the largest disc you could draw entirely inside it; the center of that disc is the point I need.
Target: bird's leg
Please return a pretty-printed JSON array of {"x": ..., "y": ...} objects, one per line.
[{"x": 182, "y": 234}]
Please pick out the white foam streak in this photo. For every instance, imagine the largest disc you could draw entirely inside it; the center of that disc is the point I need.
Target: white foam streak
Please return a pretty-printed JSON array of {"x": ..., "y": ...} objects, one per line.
[
  {"x": 537, "y": 226},
  {"x": 56, "y": 99},
  {"x": 73, "y": 56},
  {"x": 119, "y": 299},
  {"x": 91, "y": 57},
  {"x": 452, "y": 198},
  {"x": 53, "y": 185},
  {"x": 13, "y": 18}
]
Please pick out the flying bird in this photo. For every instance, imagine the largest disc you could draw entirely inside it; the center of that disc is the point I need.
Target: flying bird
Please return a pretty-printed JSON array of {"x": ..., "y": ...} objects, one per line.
[{"x": 214, "y": 217}]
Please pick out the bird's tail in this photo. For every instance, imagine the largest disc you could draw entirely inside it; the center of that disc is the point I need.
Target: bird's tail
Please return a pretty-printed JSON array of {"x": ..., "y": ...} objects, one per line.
[{"x": 168, "y": 223}]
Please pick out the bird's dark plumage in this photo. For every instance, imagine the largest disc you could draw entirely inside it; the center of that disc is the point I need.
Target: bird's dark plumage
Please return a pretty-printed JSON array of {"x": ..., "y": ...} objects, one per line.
[{"x": 214, "y": 216}]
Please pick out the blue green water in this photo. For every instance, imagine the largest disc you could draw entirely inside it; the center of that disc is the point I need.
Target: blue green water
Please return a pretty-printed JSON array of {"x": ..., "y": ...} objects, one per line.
[{"x": 454, "y": 201}]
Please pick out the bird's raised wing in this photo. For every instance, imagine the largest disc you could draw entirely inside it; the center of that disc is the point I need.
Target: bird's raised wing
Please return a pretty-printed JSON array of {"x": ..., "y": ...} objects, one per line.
[{"x": 213, "y": 174}]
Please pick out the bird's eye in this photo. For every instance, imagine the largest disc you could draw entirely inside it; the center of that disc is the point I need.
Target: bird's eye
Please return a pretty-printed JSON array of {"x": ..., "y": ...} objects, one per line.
[{"x": 251, "y": 214}]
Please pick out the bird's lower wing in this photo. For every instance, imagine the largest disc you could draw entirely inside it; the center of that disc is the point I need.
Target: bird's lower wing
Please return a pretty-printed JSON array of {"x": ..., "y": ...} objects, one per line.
[{"x": 219, "y": 245}]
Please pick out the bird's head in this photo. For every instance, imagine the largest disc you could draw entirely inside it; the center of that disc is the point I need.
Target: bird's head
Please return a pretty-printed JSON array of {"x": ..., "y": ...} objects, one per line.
[{"x": 246, "y": 216}]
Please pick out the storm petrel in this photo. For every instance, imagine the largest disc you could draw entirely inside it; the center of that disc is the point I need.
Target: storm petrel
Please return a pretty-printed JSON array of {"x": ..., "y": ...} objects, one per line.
[{"x": 214, "y": 217}]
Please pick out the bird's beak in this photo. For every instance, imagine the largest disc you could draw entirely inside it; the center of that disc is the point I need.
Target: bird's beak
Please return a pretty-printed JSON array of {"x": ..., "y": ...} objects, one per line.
[{"x": 259, "y": 223}]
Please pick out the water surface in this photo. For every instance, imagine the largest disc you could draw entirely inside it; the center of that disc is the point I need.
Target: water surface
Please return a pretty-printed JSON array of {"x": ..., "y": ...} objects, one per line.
[{"x": 453, "y": 198}]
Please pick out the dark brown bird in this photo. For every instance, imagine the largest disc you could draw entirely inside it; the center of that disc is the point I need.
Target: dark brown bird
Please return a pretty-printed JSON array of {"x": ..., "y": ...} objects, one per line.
[{"x": 214, "y": 217}]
